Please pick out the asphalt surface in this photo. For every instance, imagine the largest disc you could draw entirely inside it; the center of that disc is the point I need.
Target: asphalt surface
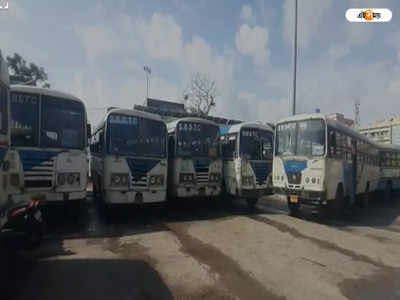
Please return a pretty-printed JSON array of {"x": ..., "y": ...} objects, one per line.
[{"x": 208, "y": 250}]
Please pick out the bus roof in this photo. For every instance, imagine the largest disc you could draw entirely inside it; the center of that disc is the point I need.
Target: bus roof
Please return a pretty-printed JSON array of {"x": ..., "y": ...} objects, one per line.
[
  {"x": 335, "y": 124},
  {"x": 172, "y": 125},
  {"x": 43, "y": 91},
  {"x": 236, "y": 128},
  {"x": 128, "y": 112},
  {"x": 4, "y": 77}
]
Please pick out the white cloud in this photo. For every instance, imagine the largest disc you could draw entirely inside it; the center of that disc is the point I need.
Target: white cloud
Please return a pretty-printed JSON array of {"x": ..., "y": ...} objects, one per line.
[
  {"x": 338, "y": 51},
  {"x": 246, "y": 14},
  {"x": 253, "y": 41},
  {"x": 310, "y": 16}
]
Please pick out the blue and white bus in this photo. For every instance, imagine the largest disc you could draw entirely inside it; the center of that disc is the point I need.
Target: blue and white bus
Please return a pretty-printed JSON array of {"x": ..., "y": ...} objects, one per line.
[
  {"x": 49, "y": 131},
  {"x": 247, "y": 152},
  {"x": 389, "y": 181},
  {"x": 129, "y": 158},
  {"x": 5, "y": 166},
  {"x": 195, "y": 164},
  {"x": 321, "y": 163}
]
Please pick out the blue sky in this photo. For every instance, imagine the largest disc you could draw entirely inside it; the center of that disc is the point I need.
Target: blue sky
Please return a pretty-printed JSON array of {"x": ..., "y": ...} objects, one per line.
[{"x": 97, "y": 49}]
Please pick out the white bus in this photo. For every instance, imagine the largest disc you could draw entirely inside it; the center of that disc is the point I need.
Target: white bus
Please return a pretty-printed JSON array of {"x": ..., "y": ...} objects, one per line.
[
  {"x": 129, "y": 158},
  {"x": 5, "y": 166},
  {"x": 49, "y": 131},
  {"x": 195, "y": 164},
  {"x": 390, "y": 170},
  {"x": 322, "y": 163},
  {"x": 247, "y": 151}
]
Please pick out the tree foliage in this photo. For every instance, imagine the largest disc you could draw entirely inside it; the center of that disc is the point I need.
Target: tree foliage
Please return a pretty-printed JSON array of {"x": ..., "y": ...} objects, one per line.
[
  {"x": 200, "y": 94},
  {"x": 22, "y": 73}
]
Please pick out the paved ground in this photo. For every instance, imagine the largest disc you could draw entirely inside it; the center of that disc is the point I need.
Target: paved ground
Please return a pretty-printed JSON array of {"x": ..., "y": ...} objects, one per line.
[{"x": 203, "y": 251}]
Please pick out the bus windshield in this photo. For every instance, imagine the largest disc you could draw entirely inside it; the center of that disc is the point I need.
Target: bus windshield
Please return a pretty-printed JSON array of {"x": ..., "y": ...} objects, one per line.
[
  {"x": 197, "y": 139},
  {"x": 303, "y": 138},
  {"x": 131, "y": 135},
  {"x": 255, "y": 144},
  {"x": 61, "y": 126}
]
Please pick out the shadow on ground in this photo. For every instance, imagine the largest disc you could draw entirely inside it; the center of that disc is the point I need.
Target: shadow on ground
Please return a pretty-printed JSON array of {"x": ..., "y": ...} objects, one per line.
[{"x": 87, "y": 279}]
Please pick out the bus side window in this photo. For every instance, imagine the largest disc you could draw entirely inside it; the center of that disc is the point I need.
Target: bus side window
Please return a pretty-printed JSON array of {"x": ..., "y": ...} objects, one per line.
[
  {"x": 332, "y": 143},
  {"x": 229, "y": 146},
  {"x": 101, "y": 142}
]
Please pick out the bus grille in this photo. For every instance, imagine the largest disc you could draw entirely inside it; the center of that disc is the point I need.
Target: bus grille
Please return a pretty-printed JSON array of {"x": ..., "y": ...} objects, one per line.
[
  {"x": 38, "y": 168},
  {"x": 201, "y": 167},
  {"x": 294, "y": 178},
  {"x": 261, "y": 170},
  {"x": 139, "y": 169}
]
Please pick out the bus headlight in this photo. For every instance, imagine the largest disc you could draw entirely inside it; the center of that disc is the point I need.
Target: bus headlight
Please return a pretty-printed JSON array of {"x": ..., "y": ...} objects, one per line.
[
  {"x": 186, "y": 178},
  {"x": 61, "y": 179},
  {"x": 14, "y": 179},
  {"x": 119, "y": 179},
  {"x": 156, "y": 180},
  {"x": 215, "y": 177}
]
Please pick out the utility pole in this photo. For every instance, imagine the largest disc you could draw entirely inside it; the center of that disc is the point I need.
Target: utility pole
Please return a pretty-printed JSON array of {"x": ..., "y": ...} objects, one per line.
[
  {"x": 357, "y": 113},
  {"x": 147, "y": 69},
  {"x": 294, "y": 60}
]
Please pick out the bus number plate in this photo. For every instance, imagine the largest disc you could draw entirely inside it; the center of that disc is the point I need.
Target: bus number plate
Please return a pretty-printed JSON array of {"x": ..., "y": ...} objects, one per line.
[{"x": 294, "y": 199}]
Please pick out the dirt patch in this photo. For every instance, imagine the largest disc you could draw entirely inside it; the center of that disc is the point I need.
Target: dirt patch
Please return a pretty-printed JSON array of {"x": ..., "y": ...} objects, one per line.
[
  {"x": 321, "y": 243},
  {"x": 230, "y": 274},
  {"x": 384, "y": 284}
]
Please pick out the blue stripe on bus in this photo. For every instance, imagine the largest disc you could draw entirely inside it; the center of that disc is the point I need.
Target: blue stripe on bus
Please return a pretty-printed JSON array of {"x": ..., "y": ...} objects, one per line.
[
  {"x": 34, "y": 158},
  {"x": 261, "y": 170},
  {"x": 294, "y": 166},
  {"x": 139, "y": 166}
]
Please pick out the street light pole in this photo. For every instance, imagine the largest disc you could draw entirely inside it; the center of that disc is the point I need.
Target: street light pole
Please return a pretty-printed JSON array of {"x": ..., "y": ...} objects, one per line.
[
  {"x": 294, "y": 60},
  {"x": 147, "y": 69}
]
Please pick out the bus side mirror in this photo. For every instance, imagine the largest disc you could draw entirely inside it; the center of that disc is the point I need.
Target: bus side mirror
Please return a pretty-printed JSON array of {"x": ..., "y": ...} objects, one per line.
[{"x": 88, "y": 131}]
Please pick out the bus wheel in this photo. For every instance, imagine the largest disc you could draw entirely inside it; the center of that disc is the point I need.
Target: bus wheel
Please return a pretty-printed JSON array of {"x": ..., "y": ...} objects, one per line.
[
  {"x": 388, "y": 194},
  {"x": 251, "y": 202},
  {"x": 294, "y": 208},
  {"x": 339, "y": 202}
]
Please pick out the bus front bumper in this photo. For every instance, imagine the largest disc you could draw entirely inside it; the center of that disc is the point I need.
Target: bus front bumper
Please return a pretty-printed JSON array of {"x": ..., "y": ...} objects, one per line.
[
  {"x": 134, "y": 197},
  {"x": 196, "y": 191},
  {"x": 302, "y": 197},
  {"x": 255, "y": 193},
  {"x": 49, "y": 197}
]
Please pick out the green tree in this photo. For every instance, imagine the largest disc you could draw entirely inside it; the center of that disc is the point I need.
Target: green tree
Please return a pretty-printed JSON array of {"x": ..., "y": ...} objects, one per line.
[{"x": 22, "y": 73}]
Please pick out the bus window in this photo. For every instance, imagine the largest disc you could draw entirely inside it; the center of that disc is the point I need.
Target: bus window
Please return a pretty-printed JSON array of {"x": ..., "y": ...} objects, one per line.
[
  {"x": 229, "y": 146},
  {"x": 3, "y": 110}
]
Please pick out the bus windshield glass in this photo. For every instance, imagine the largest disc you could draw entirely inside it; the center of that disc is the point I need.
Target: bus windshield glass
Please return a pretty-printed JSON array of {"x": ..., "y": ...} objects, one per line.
[
  {"x": 303, "y": 138},
  {"x": 61, "y": 126},
  {"x": 3, "y": 110},
  {"x": 255, "y": 144},
  {"x": 63, "y": 123},
  {"x": 131, "y": 135},
  {"x": 197, "y": 139}
]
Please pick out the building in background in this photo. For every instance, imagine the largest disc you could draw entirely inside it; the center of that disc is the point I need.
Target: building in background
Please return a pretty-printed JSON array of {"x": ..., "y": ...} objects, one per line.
[
  {"x": 340, "y": 118},
  {"x": 384, "y": 132}
]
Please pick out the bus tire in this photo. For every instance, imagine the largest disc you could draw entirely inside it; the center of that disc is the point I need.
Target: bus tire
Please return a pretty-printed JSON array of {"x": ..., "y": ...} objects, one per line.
[
  {"x": 251, "y": 202},
  {"x": 294, "y": 208},
  {"x": 339, "y": 204},
  {"x": 388, "y": 193}
]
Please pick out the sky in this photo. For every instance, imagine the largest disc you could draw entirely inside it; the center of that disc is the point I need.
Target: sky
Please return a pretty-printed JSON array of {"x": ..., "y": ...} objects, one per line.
[{"x": 96, "y": 50}]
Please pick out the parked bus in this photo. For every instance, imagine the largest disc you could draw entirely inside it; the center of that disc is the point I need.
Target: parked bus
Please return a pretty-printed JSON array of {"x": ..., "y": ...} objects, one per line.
[
  {"x": 247, "y": 151},
  {"x": 129, "y": 158},
  {"x": 322, "y": 163},
  {"x": 390, "y": 170},
  {"x": 5, "y": 166},
  {"x": 195, "y": 165},
  {"x": 49, "y": 131}
]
